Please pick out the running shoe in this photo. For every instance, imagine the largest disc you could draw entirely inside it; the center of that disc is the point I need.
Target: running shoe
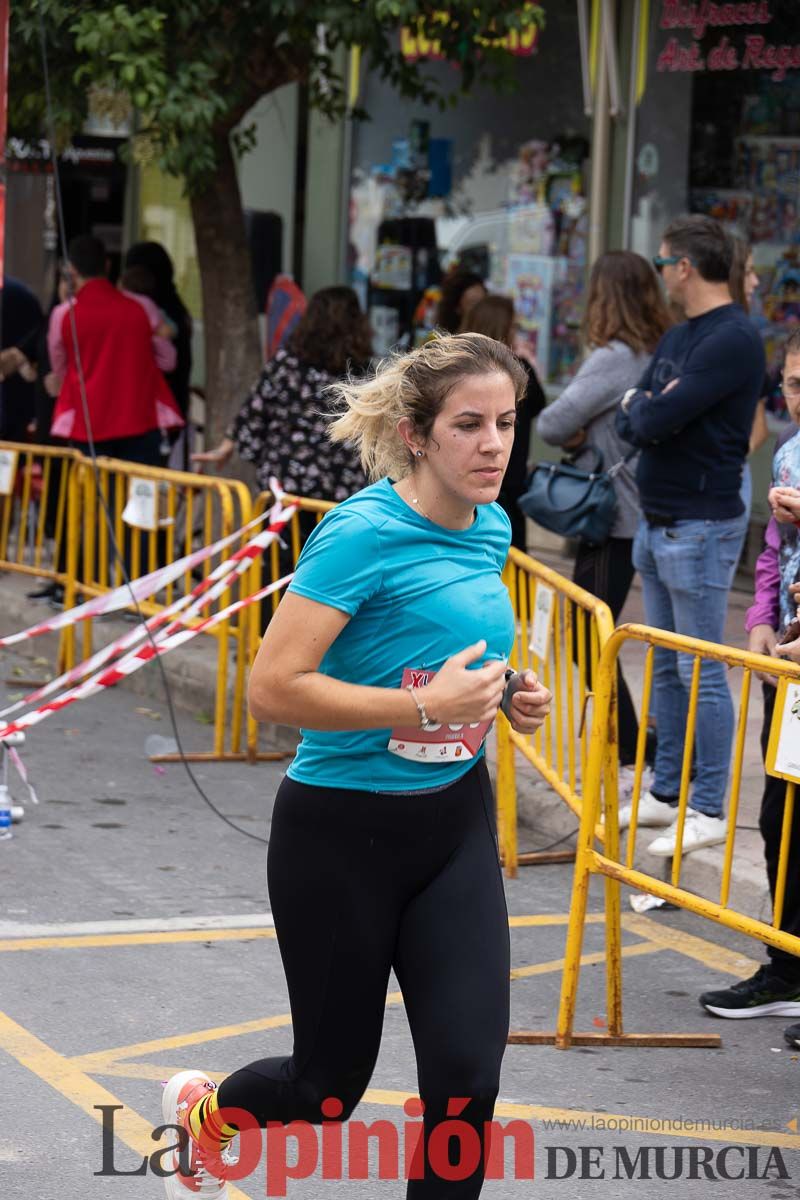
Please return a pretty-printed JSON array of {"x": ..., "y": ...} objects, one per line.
[
  {"x": 652, "y": 812},
  {"x": 765, "y": 994},
  {"x": 181, "y": 1093},
  {"x": 698, "y": 830}
]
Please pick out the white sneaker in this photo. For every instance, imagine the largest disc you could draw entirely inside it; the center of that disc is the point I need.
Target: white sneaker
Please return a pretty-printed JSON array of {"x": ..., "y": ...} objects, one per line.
[
  {"x": 698, "y": 830},
  {"x": 17, "y": 813},
  {"x": 651, "y": 812}
]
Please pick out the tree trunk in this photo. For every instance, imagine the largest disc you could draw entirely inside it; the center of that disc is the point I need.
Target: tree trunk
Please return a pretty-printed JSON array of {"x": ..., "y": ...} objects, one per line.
[{"x": 233, "y": 356}]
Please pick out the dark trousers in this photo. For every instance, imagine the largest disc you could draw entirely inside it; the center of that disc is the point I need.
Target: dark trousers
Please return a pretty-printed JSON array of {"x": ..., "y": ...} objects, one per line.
[
  {"x": 507, "y": 499},
  {"x": 362, "y": 883},
  {"x": 607, "y": 572},
  {"x": 144, "y": 448},
  {"x": 770, "y": 822}
]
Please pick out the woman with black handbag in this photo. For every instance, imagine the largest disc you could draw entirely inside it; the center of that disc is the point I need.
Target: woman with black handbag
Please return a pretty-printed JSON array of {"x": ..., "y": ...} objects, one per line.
[{"x": 624, "y": 319}]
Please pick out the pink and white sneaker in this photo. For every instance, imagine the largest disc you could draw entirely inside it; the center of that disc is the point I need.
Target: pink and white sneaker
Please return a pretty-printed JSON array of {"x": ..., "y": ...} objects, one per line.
[{"x": 181, "y": 1093}]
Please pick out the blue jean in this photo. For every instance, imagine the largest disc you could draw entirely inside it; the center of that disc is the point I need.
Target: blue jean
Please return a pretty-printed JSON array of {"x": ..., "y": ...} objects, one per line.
[{"x": 687, "y": 570}]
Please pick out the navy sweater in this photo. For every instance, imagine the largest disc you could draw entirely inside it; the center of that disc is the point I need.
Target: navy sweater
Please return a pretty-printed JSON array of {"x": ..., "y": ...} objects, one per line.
[{"x": 695, "y": 438}]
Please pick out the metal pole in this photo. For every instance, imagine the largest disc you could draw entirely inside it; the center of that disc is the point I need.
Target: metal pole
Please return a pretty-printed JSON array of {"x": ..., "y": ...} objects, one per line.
[
  {"x": 601, "y": 142},
  {"x": 344, "y": 201},
  {"x": 630, "y": 143},
  {"x": 353, "y": 67}
]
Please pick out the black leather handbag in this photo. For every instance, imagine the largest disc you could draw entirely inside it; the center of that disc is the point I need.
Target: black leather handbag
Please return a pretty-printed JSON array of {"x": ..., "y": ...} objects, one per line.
[{"x": 571, "y": 501}]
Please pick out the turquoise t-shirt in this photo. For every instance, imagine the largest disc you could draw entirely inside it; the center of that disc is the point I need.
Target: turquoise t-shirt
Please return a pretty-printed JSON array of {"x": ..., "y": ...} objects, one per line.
[{"x": 416, "y": 594}]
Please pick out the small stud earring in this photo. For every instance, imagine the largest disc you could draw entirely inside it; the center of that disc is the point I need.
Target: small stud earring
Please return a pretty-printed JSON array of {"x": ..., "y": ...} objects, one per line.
[{"x": 420, "y": 454}]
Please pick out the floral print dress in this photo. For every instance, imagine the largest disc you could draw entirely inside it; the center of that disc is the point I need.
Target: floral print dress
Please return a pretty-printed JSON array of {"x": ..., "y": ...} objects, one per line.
[{"x": 282, "y": 428}]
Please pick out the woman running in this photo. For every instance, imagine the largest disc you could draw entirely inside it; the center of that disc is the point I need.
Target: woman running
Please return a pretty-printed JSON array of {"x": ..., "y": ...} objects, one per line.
[{"x": 389, "y": 650}]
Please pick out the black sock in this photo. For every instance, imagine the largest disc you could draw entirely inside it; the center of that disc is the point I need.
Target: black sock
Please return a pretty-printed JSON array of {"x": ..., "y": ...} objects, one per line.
[{"x": 673, "y": 800}]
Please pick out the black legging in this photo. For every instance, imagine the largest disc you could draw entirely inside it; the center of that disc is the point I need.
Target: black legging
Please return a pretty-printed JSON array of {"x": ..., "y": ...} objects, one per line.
[
  {"x": 770, "y": 822},
  {"x": 607, "y": 572},
  {"x": 362, "y": 882}
]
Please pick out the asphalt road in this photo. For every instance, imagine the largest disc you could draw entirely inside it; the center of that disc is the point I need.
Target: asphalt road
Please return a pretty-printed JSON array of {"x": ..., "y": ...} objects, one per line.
[{"x": 106, "y": 987}]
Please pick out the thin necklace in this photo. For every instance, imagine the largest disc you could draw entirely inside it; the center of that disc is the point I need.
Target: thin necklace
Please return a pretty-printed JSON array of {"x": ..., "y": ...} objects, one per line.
[
  {"x": 421, "y": 510},
  {"x": 415, "y": 500}
]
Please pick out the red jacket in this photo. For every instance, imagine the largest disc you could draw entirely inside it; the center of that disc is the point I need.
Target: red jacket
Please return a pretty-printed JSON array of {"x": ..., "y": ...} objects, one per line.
[{"x": 126, "y": 393}]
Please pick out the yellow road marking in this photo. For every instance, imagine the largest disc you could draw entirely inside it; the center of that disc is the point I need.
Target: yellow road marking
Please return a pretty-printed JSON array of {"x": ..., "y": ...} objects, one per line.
[
  {"x": 198, "y": 1038},
  {"x": 626, "y": 1122},
  {"x": 708, "y": 953},
  {"x": 112, "y": 1061},
  {"x": 553, "y": 919},
  {"x": 76, "y": 1086},
  {"x": 134, "y": 939},
  {"x": 71, "y": 1079},
  {"x": 101, "y": 1059},
  {"x": 557, "y": 964}
]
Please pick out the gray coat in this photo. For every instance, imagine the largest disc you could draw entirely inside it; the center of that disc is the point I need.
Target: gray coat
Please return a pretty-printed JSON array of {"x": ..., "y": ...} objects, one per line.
[{"x": 589, "y": 402}]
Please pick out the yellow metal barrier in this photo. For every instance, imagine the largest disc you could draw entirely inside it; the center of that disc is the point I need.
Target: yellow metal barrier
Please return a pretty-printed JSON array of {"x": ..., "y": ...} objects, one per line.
[
  {"x": 608, "y": 861},
  {"x": 34, "y": 491},
  {"x": 178, "y": 512},
  {"x": 279, "y": 563},
  {"x": 561, "y": 631}
]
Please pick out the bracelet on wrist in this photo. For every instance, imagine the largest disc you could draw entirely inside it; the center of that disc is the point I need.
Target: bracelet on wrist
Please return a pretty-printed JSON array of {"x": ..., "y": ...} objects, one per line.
[{"x": 426, "y": 723}]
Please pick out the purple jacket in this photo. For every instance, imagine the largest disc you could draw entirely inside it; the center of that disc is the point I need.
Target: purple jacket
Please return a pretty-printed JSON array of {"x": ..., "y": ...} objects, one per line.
[{"x": 765, "y": 609}]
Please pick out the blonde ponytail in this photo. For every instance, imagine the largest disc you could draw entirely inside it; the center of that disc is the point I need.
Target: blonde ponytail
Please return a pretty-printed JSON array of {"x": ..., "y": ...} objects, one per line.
[{"x": 413, "y": 386}]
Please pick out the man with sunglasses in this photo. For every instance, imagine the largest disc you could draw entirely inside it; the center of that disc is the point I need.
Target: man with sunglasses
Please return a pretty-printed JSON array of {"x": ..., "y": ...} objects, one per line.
[{"x": 691, "y": 415}]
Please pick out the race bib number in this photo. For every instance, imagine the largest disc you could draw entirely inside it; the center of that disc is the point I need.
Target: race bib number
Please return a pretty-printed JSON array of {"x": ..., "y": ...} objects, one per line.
[{"x": 444, "y": 743}]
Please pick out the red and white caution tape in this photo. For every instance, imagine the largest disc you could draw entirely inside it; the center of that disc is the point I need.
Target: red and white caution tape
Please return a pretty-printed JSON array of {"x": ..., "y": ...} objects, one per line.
[
  {"x": 203, "y": 594},
  {"x": 20, "y": 768},
  {"x": 137, "y": 590},
  {"x": 135, "y": 660}
]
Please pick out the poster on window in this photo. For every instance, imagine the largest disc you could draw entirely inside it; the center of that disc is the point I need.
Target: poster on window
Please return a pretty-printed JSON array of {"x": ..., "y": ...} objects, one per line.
[{"x": 530, "y": 281}]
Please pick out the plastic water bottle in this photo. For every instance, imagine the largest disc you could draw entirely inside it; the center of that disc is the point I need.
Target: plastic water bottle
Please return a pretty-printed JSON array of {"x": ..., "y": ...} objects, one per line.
[{"x": 5, "y": 813}]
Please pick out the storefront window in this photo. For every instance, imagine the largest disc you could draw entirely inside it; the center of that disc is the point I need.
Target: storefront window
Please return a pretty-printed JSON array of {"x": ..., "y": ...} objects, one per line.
[
  {"x": 718, "y": 131},
  {"x": 496, "y": 185},
  {"x": 728, "y": 75}
]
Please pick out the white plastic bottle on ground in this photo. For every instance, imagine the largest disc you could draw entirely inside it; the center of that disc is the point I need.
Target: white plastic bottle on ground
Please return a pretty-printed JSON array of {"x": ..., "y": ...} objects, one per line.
[{"x": 5, "y": 813}]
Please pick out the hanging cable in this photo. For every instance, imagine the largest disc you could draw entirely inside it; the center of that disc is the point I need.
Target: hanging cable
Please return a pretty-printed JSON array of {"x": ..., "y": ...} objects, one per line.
[{"x": 90, "y": 441}]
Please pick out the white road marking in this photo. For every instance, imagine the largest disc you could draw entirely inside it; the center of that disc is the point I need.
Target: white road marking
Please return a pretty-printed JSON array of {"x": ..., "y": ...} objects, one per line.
[{"x": 17, "y": 929}]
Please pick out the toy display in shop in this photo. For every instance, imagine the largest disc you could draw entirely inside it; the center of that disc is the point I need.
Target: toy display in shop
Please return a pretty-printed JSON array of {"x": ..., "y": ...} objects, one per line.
[
  {"x": 425, "y": 314},
  {"x": 406, "y": 263},
  {"x": 547, "y": 243},
  {"x": 530, "y": 281},
  {"x": 568, "y": 297},
  {"x": 531, "y": 229},
  {"x": 769, "y": 169},
  {"x": 393, "y": 268},
  {"x": 533, "y": 246},
  {"x": 729, "y": 205}
]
